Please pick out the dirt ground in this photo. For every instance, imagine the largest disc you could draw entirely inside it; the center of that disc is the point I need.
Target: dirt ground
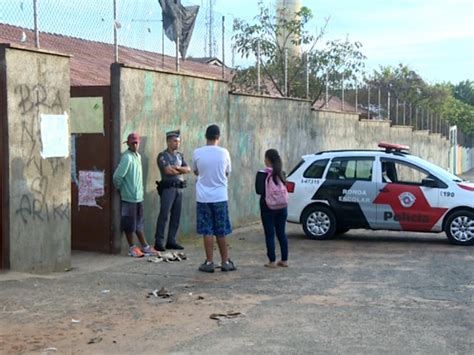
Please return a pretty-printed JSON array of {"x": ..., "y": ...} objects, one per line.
[{"x": 364, "y": 292}]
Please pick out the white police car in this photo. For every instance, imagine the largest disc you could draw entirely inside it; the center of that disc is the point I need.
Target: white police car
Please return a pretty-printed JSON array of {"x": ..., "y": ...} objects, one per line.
[{"x": 333, "y": 191}]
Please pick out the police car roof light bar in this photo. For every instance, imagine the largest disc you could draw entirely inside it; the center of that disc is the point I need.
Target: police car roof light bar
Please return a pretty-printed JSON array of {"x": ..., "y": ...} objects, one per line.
[{"x": 393, "y": 146}]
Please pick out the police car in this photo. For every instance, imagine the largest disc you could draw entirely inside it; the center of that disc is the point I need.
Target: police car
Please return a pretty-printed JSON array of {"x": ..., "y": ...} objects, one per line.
[{"x": 333, "y": 191}]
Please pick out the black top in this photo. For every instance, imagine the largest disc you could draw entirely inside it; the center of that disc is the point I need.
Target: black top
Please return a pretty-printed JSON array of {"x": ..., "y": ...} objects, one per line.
[
  {"x": 260, "y": 187},
  {"x": 260, "y": 183}
]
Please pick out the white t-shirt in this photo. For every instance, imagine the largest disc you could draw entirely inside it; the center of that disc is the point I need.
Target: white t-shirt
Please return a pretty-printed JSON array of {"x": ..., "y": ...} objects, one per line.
[{"x": 213, "y": 165}]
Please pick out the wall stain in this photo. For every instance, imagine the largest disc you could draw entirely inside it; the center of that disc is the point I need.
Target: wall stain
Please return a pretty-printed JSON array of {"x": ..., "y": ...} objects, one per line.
[{"x": 146, "y": 111}]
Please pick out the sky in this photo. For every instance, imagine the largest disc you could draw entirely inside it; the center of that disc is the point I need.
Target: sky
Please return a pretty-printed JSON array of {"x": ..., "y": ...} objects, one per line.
[{"x": 433, "y": 37}]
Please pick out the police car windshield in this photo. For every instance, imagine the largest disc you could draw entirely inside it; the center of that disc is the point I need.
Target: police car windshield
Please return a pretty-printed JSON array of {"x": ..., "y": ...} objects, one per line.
[{"x": 436, "y": 169}]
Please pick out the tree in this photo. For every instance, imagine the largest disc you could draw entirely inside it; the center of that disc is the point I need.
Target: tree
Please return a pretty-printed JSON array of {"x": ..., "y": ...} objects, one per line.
[
  {"x": 272, "y": 34},
  {"x": 464, "y": 91}
]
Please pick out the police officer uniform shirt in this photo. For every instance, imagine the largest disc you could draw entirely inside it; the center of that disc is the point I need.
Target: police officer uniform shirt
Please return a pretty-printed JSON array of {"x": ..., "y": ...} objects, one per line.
[{"x": 165, "y": 158}]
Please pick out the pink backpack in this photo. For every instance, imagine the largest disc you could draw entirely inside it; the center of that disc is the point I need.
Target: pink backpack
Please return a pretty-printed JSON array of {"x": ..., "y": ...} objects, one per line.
[{"x": 276, "y": 195}]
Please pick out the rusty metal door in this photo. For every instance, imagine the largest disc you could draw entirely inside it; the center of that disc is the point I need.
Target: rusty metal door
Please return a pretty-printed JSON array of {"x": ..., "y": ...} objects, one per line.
[{"x": 91, "y": 227}]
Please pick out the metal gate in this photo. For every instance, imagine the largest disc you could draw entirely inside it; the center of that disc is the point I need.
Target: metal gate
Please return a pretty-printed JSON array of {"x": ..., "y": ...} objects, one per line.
[{"x": 91, "y": 144}]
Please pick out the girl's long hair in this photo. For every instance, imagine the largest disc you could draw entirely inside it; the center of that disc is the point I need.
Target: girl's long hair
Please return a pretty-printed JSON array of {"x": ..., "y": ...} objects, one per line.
[{"x": 277, "y": 167}]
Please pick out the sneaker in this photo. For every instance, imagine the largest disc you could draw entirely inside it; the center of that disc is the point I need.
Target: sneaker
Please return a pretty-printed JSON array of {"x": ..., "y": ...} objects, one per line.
[
  {"x": 175, "y": 246},
  {"x": 207, "y": 267},
  {"x": 228, "y": 266},
  {"x": 160, "y": 247},
  {"x": 150, "y": 251},
  {"x": 135, "y": 252}
]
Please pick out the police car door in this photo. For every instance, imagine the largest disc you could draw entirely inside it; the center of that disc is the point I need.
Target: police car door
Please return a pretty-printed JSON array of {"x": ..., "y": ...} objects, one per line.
[
  {"x": 349, "y": 188},
  {"x": 403, "y": 203}
]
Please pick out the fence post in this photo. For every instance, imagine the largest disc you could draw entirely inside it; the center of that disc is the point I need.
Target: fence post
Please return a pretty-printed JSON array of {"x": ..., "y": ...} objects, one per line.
[
  {"x": 177, "y": 50},
  {"x": 342, "y": 101},
  {"x": 380, "y": 105},
  {"x": 404, "y": 113},
  {"x": 259, "y": 83},
  {"x": 356, "y": 97},
  {"x": 286, "y": 72},
  {"x": 396, "y": 111},
  {"x": 411, "y": 115},
  {"x": 162, "y": 43},
  {"x": 368, "y": 102},
  {"x": 35, "y": 19},
  {"x": 416, "y": 118},
  {"x": 307, "y": 75},
  {"x": 115, "y": 32},
  {"x": 388, "y": 104},
  {"x": 223, "y": 47},
  {"x": 422, "y": 120},
  {"x": 428, "y": 119},
  {"x": 327, "y": 90}
]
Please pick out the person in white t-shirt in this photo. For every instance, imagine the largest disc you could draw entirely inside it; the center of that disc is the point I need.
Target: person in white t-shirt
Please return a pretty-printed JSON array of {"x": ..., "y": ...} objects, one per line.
[{"x": 212, "y": 166}]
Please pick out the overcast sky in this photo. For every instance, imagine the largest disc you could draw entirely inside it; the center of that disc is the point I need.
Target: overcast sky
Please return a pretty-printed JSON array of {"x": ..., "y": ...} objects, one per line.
[{"x": 434, "y": 37}]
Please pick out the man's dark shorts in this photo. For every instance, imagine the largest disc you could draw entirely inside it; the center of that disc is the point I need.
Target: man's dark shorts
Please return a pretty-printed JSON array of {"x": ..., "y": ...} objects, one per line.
[
  {"x": 133, "y": 219},
  {"x": 213, "y": 219}
]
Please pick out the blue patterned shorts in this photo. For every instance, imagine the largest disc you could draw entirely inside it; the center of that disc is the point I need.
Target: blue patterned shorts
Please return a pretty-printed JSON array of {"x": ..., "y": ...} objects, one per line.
[{"x": 213, "y": 219}]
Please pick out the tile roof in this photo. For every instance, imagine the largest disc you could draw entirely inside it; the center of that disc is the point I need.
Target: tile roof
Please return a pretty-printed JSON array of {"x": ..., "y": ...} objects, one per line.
[{"x": 90, "y": 62}]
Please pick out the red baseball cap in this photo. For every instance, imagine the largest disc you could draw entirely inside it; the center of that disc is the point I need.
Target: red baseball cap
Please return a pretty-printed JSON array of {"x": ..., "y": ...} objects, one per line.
[{"x": 133, "y": 138}]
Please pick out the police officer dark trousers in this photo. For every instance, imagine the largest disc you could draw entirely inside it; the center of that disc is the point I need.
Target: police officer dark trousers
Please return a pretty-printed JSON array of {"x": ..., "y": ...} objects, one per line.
[
  {"x": 171, "y": 200},
  {"x": 172, "y": 168}
]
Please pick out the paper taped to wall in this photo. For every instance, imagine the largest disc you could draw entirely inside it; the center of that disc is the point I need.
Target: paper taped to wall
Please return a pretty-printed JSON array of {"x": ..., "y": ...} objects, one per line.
[
  {"x": 91, "y": 186},
  {"x": 54, "y": 136}
]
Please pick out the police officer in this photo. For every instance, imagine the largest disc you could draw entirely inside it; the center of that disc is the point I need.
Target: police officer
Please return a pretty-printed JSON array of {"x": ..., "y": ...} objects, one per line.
[{"x": 172, "y": 168}]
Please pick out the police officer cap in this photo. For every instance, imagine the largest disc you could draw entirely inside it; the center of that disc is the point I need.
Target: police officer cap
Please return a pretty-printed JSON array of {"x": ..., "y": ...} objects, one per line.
[{"x": 172, "y": 134}]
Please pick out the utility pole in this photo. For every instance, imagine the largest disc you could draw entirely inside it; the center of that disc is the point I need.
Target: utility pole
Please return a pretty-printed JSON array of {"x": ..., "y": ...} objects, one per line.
[{"x": 210, "y": 27}]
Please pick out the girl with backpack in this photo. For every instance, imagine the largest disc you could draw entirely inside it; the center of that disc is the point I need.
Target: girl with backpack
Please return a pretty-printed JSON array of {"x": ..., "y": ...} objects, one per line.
[{"x": 270, "y": 184}]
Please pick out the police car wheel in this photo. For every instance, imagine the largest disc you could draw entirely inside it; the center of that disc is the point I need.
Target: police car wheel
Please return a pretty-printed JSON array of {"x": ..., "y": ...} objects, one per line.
[
  {"x": 459, "y": 228},
  {"x": 319, "y": 222}
]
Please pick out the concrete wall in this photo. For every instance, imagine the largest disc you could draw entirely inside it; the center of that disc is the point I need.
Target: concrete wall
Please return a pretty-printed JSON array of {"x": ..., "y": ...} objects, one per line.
[
  {"x": 153, "y": 102},
  {"x": 39, "y": 189},
  {"x": 257, "y": 124}
]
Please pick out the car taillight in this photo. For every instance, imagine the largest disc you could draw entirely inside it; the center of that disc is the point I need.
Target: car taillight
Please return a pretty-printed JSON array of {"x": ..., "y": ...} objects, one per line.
[{"x": 290, "y": 186}]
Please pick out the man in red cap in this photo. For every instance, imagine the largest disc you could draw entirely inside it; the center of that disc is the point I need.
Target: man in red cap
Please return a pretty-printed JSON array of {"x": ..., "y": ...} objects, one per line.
[{"x": 128, "y": 179}]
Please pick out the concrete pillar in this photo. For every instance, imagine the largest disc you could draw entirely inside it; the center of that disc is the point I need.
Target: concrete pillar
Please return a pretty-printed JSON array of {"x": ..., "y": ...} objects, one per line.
[{"x": 37, "y": 228}]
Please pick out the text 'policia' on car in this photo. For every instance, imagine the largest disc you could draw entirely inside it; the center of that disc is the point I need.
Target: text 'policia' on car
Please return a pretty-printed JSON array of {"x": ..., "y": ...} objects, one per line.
[{"x": 333, "y": 191}]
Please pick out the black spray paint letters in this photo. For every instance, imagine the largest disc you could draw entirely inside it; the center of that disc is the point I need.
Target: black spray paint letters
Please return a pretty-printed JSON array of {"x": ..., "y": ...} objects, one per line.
[
  {"x": 37, "y": 96},
  {"x": 37, "y": 204}
]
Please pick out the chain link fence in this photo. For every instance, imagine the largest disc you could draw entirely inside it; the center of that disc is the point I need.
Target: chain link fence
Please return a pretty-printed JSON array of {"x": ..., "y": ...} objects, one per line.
[
  {"x": 378, "y": 103},
  {"x": 138, "y": 24}
]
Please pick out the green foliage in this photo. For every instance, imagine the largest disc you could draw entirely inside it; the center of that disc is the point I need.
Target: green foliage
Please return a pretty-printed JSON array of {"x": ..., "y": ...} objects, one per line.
[
  {"x": 271, "y": 33},
  {"x": 464, "y": 91}
]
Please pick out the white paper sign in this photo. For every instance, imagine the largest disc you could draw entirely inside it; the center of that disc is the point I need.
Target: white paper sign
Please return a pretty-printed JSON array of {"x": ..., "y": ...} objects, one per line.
[
  {"x": 91, "y": 186},
  {"x": 55, "y": 136}
]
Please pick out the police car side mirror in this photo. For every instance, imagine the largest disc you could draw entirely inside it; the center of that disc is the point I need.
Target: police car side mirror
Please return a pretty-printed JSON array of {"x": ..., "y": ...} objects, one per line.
[{"x": 429, "y": 182}]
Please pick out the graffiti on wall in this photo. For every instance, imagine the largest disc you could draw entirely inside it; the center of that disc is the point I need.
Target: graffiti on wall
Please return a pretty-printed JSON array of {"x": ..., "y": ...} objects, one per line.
[{"x": 35, "y": 176}]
